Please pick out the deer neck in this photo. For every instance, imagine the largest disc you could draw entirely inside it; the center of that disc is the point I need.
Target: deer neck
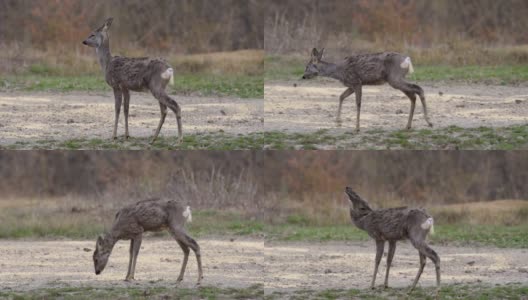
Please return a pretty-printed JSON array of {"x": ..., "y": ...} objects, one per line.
[
  {"x": 358, "y": 218},
  {"x": 331, "y": 70},
  {"x": 103, "y": 54},
  {"x": 110, "y": 239}
]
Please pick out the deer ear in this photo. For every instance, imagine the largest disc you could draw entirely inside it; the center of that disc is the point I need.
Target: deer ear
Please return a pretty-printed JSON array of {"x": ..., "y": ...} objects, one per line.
[
  {"x": 107, "y": 24},
  {"x": 320, "y": 57},
  {"x": 100, "y": 240},
  {"x": 315, "y": 54}
]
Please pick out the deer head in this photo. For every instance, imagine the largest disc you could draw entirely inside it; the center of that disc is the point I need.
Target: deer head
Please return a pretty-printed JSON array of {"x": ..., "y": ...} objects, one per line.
[
  {"x": 312, "y": 68},
  {"x": 103, "y": 248},
  {"x": 359, "y": 207},
  {"x": 98, "y": 36}
]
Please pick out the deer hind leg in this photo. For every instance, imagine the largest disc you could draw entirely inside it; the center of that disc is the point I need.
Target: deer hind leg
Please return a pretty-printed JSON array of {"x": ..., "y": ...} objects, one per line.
[
  {"x": 118, "y": 95},
  {"x": 163, "y": 110},
  {"x": 420, "y": 270},
  {"x": 196, "y": 248},
  {"x": 186, "y": 251},
  {"x": 173, "y": 105},
  {"x": 187, "y": 241},
  {"x": 126, "y": 104},
  {"x": 410, "y": 90},
  {"x": 412, "y": 97},
  {"x": 425, "y": 250},
  {"x": 421, "y": 94},
  {"x": 380, "y": 245},
  {"x": 345, "y": 94},
  {"x": 392, "y": 249}
]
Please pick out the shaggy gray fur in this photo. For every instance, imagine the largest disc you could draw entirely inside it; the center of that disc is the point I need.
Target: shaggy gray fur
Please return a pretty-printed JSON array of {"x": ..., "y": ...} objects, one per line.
[
  {"x": 147, "y": 215},
  {"x": 126, "y": 74},
  {"x": 392, "y": 225},
  {"x": 367, "y": 69}
]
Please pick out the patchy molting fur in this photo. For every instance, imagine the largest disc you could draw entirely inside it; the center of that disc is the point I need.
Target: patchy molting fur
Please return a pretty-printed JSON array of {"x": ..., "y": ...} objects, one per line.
[
  {"x": 125, "y": 74},
  {"x": 147, "y": 215},
  {"x": 368, "y": 69},
  {"x": 392, "y": 225}
]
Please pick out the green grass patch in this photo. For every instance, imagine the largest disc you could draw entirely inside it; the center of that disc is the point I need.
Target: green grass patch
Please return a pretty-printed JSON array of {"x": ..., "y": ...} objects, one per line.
[
  {"x": 199, "y": 141},
  {"x": 155, "y": 292},
  {"x": 459, "y": 234},
  {"x": 38, "y": 79},
  {"x": 453, "y": 137},
  {"x": 292, "y": 68},
  {"x": 454, "y": 291}
]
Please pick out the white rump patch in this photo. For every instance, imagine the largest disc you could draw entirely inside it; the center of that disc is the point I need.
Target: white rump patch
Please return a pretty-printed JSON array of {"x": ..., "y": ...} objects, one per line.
[
  {"x": 428, "y": 224},
  {"x": 407, "y": 64},
  {"x": 168, "y": 75},
  {"x": 187, "y": 214}
]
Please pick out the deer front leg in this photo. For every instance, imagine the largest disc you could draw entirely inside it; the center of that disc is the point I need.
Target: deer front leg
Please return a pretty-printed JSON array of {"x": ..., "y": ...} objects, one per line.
[
  {"x": 135, "y": 251},
  {"x": 131, "y": 252},
  {"x": 380, "y": 245},
  {"x": 358, "y": 105},
  {"x": 118, "y": 95},
  {"x": 392, "y": 249},
  {"x": 186, "y": 252},
  {"x": 345, "y": 94},
  {"x": 126, "y": 103}
]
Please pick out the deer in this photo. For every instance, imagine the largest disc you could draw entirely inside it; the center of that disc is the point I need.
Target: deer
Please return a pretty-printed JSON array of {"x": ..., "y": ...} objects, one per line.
[
  {"x": 125, "y": 74},
  {"x": 392, "y": 225},
  {"x": 368, "y": 69},
  {"x": 147, "y": 215}
]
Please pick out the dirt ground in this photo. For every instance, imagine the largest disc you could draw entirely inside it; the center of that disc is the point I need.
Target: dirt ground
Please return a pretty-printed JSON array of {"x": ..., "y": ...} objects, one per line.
[
  {"x": 28, "y": 265},
  {"x": 28, "y": 116},
  {"x": 281, "y": 266},
  {"x": 312, "y": 105},
  {"x": 338, "y": 265}
]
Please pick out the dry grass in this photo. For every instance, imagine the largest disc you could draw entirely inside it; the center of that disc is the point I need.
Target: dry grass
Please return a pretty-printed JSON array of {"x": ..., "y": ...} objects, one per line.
[
  {"x": 456, "y": 52},
  {"x": 500, "y": 212},
  {"x": 15, "y": 59},
  {"x": 333, "y": 210}
]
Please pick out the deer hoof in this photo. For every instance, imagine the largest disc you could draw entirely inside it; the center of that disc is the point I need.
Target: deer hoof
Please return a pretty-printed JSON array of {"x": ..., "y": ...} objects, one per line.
[
  {"x": 129, "y": 279},
  {"x": 430, "y": 124}
]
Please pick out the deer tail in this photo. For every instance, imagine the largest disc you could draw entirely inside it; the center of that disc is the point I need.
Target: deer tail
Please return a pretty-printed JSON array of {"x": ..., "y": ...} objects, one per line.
[
  {"x": 187, "y": 214},
  {"x": 407, "y": 64},
  {"x": 428, "y": 225},
  {"x": 168, "y": 75}
]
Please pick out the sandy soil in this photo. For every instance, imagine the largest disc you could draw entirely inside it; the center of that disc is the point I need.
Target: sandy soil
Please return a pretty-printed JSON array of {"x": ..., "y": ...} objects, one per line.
[
  {"x": 280, "y": 266},
  {"x": 38, "y": 116},
  {"x": 291, "y": 266},
  {"x": 312, "y": 105},
  {"x": 27, "y": 265}
]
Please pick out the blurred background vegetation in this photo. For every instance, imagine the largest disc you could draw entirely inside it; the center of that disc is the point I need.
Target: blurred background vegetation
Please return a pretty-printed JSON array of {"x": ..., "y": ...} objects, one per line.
[
  {"x": 216, "y": 47},
  {"x": 456, "y": 33},
  {"x": 473, "y": 195}
]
